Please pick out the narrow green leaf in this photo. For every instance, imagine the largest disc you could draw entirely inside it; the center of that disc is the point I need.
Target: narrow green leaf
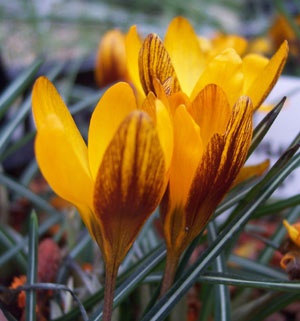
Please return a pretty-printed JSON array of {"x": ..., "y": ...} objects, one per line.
[
  {"x": 20, "y": 115},
  {"x": 182, "y": 285},
  {"x": 256, "y": 268},
  {"x": 87, "y": 102},
  {"x": 126, "y": 283},
  {"x": 22, "y": 190},
  {"x": 8, "y": 243},
  {"x": 222, "y": 295},
  {"x": 262, "y": 128},
  {"x": 18, "y": 86},
  {"x": 18, "y": 144},
  {"x": 277, "y": 303},
  {"x": 278, "y": 206},
  {"x": 30, "y": 306},
  {"x": 133, "y": 281}
]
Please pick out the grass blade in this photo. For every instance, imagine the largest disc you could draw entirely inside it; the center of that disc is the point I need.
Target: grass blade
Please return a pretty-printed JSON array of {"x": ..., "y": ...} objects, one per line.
[
  {"x": 30, "y": 307},
  {"x": 262, "y": 128},
  {"x": 222, "y": 295},
  {"x": 18, "y": 86}
]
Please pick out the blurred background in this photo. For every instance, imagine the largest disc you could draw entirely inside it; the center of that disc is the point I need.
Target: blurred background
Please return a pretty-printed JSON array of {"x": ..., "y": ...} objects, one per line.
[{"x": 65, "y": 30}]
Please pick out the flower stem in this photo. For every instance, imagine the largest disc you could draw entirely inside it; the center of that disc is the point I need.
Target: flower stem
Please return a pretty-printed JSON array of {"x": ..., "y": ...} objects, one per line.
[
  {"x": 110, "y": 283},
  {"x": 170, "y": 270}
]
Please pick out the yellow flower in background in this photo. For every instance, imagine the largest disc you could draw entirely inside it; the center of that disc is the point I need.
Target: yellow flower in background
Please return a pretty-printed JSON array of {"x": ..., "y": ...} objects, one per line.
[
  {"x": 293, "y": 231},
  {"x": 118, "y": 180},
  {"x": 111, "y": 64},
  {"x": 281, "y": 30}
]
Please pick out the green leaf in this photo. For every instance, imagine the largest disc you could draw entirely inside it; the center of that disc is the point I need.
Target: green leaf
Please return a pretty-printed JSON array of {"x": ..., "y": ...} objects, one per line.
[
  {"x": 256, "y": 268},
  {"x": 222, "y": 295},
  {"x": 276, "y": 303},
  {"x": 30, "y": 306},
  {"x": 278, "y": 206},
  {"x": 262, "y": 128},
  {"x": 18, "y": 86},
  {"x": 20, "y": 115},
  {"x": 9, "y": 242},
  {"x": 163, "y": 307},
  {"x": 133, "y": 280},
  {"x": 126, "y": 283}
]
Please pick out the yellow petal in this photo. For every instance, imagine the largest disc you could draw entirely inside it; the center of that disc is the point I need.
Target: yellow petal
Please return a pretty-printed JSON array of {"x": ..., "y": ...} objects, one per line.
[
  {"x": 293, "y": 232},
  {"x": 211, "y": 111},
  {"x": 267, "y": 78},
  {"x": 183, "y": 47},
  {"x": 253, "y": 65},
  {"x": 221, "y": 162},
  {"x": 187, "y": 154},
  {"x": 129, "y": 184},
  {"x": 133, "y": 45},
  {"x": 154, "y": 62},
  {"x": 253, "y": 171},
  {"x": 117, "y": 102},
  {"x": 149, "y": 106},
  {"x": 225, "y": 70},
  {"x": 165, "y": 131},
  {"x": 62, "y": 165},
  {"x": 51, "y": 115},
  {"x": 177, "y": 99},
  {"x": 222, "y": 42},
  {"x": 111, "y": 64}
]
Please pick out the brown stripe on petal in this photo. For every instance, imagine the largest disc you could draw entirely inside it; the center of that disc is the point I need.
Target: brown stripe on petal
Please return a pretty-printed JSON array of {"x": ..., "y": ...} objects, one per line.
[
  {"x": 129, "y": 183},
  {"x": 155, "y": 62},
  {"x": 221, "y": 163}
]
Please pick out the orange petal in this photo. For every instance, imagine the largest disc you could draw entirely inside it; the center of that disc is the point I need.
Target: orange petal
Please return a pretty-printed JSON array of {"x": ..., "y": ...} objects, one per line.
[
  {"x": 253, "y": 171},
  {"x": 129, "y": 184},
  {"x": 267, "y": 78},
  {"x": 225, "y": 70},
  {"x": 133, "y": 45},
  {"x": 181, "y": 42},
  {"x": 221, "y": 162},
  {"x": 116, "y": 103},
  {"x": 111, "y": 59},
  {"x": 154, "y": 62},
  {"x": 211, "y": 111}
]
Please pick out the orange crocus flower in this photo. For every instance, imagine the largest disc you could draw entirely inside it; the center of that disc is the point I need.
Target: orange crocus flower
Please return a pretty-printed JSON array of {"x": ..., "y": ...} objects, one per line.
[
  {"x": 211, "y": 106},
  {"x": 118, "y": 180},
  {"x": 111, "y": 65}
]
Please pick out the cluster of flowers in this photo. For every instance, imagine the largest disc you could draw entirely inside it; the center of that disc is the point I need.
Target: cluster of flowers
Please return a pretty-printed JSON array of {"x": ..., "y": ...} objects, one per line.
[{"x": 176, "y": 134}]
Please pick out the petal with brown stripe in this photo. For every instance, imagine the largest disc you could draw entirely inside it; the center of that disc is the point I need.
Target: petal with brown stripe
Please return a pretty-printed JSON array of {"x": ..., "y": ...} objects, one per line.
[
  {"x": 129, "y": 184},
  {"x": 155, "y": 62}
]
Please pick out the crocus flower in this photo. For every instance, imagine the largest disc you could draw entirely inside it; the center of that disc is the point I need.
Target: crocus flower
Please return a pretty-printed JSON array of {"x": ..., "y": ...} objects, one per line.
[
  {"x": 118, "y": 180},
  {"x": 180, "y": 57},
  {"x": 212, "y": 104},
  {"x": 111, "y": 64}
]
